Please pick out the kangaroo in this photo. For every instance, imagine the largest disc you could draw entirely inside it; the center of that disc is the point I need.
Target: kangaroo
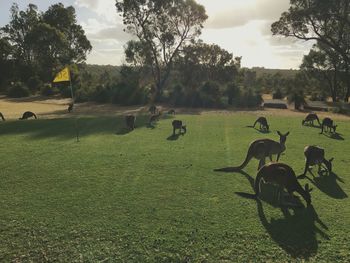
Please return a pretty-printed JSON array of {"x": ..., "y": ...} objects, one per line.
[
  {"x": 172, "y": 111},
  {"x": 2, "y": 116},
  {"x": 263, "y": 123},
  {"x": 315, "y": 155},
  {"x": 27, "y": 115},
  {"x": 154, "y": 117},
  {"x": 260, "y": 149},
  {"x": 178, "y": 125},
  {"x": 70, "y": 107},
  {"x": 130, "y": 121},
  {"x": 328, "y": 124},
  {"x": 283, "y": 175},
  {"x": 310, "y": 118},
  {"x": 153, "y": 109}
]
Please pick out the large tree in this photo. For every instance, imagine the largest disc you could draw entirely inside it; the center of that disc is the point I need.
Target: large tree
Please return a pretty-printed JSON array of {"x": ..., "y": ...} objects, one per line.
[
  {"x": 323, "y": 64},
  {"x": 161, "y": 27},
  {"x": 327, "y": 22},
  {"x": 43, "y": 42}
]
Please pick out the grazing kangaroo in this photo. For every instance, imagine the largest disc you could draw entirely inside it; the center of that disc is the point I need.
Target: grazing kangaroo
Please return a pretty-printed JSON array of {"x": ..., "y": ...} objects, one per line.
[
  {"x": 328, "y": 124},
  {"x": 2, "y": 116},
  {"x": 310, "y": 118},
  {"x": 260, "y": 149},
  {"x": 70, "y": 107},
  {"x": 315, "y": 155},
  {"x": 172, "y": 111},
  {"x": 130, "y": 121},
  {"x": 154, "y": 117},
  {"x": 153, "y": 109},
  {"x": 27, "y": 115},
  {"x": 263, "y": 123},
  {"x": 178, "y": 125},
  {"x": 283, "y": 175}
]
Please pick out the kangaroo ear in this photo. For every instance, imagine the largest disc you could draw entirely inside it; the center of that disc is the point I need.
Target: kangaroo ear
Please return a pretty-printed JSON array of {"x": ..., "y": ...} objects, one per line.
[
  {"x": 287, "y": 134},
  {"x": 310, "y": 190},
  {"x": 331, "y": 160},
  {"x": 279, "y": 133}
]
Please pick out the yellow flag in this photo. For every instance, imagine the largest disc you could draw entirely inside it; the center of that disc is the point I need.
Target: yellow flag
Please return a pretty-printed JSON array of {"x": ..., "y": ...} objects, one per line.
[{"x": 62, "y": 76}]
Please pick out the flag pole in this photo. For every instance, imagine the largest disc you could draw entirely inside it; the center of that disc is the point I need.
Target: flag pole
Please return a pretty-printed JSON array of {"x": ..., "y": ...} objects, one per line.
[{"x": 76, "y": 120}]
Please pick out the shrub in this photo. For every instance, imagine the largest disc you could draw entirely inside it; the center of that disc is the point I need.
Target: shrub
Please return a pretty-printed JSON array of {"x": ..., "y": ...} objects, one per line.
[
  {"x": 248, "y": 99},
  {"x": 317, "y": 97},
  {"x": 34, "y": 84},
  {"x": 277, "y": 95},
  {"x": 48, "y": 90},
  {"x": 18, "y": 90},
  {"x": 102, "y": 94},
  {"x": 210, "y": 94},
  {"x": 297, "y": 98}
]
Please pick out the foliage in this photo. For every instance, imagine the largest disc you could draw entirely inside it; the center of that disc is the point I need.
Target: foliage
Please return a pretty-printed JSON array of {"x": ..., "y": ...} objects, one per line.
[
  {"x": 278, "y": 95},
  {"x": 298, "y": 98},
  {"x": 327, "y": 22},
  {"x": 162, "y": 28},
  {"x": 18, "y": 90},
  {"x": 48, "y": 90}
]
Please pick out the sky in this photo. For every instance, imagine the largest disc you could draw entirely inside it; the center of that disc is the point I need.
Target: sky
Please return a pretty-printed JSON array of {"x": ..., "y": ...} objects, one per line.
[{"x": 240, "y": 26}]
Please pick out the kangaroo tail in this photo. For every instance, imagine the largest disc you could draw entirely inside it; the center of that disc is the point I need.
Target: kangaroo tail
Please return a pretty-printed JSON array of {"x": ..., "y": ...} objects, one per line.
[
  {"x": 255, "y": 123},
  {"x": 236, "y": 168},
  {"x": 34, "y": 116}
]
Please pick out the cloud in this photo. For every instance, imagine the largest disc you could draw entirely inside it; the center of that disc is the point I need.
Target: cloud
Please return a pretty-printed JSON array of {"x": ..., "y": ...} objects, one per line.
[
  {"x": 236, "y": 14},
  {"x": 105, "y": 9}
]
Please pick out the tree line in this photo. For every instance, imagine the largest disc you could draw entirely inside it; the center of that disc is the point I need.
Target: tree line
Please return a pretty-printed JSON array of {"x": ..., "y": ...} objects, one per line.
[{"x": 168, "y": 62}]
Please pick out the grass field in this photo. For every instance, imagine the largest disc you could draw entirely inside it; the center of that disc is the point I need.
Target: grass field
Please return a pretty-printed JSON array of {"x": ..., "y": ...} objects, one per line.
[{"x": 145, "y": 197}]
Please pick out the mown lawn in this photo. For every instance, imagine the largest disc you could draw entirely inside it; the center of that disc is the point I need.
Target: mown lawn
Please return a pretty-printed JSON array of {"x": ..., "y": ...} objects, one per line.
[{"x": 144, "y": 197}]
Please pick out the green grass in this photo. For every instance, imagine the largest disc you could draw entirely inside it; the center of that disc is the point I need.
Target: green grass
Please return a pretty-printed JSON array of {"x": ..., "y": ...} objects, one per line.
[{"x": 139, "y": 197}]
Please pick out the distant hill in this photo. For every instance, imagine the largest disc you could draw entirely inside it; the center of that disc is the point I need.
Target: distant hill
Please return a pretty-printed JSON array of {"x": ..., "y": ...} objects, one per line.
[
  {"x": 98, "y": 70},
  {"x": 288, "y": 73}
]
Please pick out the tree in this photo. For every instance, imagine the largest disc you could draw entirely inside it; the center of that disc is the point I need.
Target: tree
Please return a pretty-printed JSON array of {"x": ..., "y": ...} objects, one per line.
[
  {"x": 323, "y": 64},
  {"x": 44, "y": 42},
  {"x": 162, "y": 27},
  {"x": 327, "y": 22}
]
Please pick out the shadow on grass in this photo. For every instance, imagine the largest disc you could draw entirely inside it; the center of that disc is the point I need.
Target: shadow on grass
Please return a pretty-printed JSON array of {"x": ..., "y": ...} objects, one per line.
[
  {"x": 328, "y": 184},
  {"x": 334, "y": 136},
  {"x": 66, "y": 128},
  {"x": 259, "y": 130},
  {"x": 296, "y": 231},
  {"x": 311, "y": 126},
  {"x": 176, "y": 136}
]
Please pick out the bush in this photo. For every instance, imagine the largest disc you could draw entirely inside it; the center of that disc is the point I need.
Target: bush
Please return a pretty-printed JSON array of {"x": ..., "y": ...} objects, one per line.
[
  {"x": 277, "y": 95},
  {"x": 48, "y": 90},
  {"x": 34, "y": 84},
  {"x": 102, "y": 94},
  {"x": 210, "y": 95},
  {"x": 18, "y": 90},
  {"x": 297, "y": 98},
  {"x": 318, "y": 97},
  {"x": 82, "y": 95},
  {"x": 248, "y": 99}
]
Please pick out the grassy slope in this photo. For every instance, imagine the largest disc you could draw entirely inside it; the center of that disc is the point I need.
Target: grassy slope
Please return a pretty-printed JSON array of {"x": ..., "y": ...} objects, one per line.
[{"x": 140, "y": 197}]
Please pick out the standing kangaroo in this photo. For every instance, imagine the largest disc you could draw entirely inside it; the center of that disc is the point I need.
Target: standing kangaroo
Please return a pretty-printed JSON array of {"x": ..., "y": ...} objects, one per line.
[
  {"x": 284, "y": 176},
  {"x": 153, "y": 109},
  {"x": 130, "y": 121},
  {"x": 328, "y": 124},
  {"x": 178, "y": 125},
  {"x": 171, "y": 111},
  {"x": 70, "y": 107},
  {"x": 260, "y": 149},
  {"x": 27, "y": 115},
  {"x": 154, "y": 117},
  {"x": 263, "y": 123},
  {"x": 2, "y": 116},
  {"x": 310, "y": 118},
  {"x": 315, "y": 155}
]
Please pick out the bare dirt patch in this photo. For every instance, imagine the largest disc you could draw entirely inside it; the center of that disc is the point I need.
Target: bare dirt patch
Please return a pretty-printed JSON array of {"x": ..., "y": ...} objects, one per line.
[{"x": 54, "y": 107}]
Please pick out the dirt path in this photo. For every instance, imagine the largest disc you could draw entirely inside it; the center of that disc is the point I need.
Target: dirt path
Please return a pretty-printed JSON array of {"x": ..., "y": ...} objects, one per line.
[{"x": 57, "y": 108}]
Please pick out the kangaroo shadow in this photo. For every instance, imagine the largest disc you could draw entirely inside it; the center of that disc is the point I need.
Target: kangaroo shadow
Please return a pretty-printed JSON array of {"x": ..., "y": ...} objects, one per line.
[
  {"x": 296, "y": 232},
  {"x": 311, "y": 126},
  {"x": 123, "y": 131},
  {"x": 176, "y": 136},
  {"x": 259, "y": 130},
  {"x": 328, "y": 184},
  {"x": 334, "y": 136}
]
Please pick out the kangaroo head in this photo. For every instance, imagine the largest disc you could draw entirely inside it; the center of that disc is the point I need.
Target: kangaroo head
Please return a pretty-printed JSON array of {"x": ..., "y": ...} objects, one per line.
[
  {"x": 306, "y": 194},
  {"x": 267, "y": 127},
  {"x": 184, "y": 128},
  {"x": 283, "y": 137}
]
